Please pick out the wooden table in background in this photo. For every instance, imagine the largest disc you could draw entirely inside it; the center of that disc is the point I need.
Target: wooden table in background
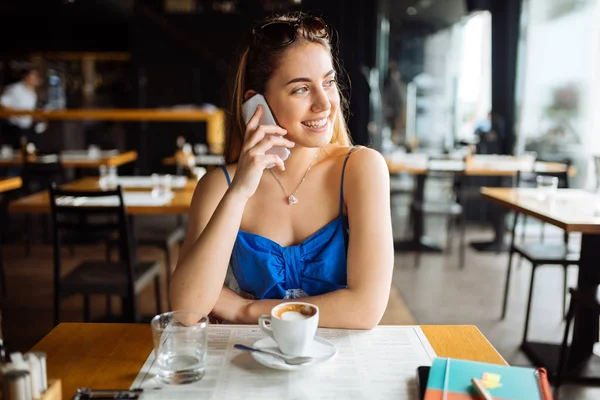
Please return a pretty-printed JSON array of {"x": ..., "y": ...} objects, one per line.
[
  {"x": 479, "y": 169},
  {"x": 506, "y": 167},
  {"x": 39, "y": 203},
  {"x": 83, "y": 162},
  {"x": 572, "y": 210},
  {"x": 193, "y": 159},
  {"x": 109, "y": 356},
  {"x": 215, "y": 120},
  {"x": 8, "y": 184}
]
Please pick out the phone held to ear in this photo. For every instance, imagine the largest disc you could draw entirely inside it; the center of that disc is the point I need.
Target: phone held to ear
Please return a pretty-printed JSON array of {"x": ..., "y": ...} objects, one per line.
[{"x": 248, "y": 110}]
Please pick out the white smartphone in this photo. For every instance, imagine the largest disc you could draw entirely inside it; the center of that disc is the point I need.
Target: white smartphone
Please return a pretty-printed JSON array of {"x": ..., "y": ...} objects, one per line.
[{"x": 248, "y": 110}]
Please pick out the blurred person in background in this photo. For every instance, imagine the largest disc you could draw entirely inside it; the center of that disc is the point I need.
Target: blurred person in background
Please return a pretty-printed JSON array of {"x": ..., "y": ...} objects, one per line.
[
  {"x": 21, "y": 95},
  {"x": 394, "y": 97},
  {"x": 491, "y": 134}
]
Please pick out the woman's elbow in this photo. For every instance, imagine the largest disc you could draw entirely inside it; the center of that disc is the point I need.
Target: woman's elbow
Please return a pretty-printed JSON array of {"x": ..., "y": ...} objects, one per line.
[{"x": 370, "y": 321}]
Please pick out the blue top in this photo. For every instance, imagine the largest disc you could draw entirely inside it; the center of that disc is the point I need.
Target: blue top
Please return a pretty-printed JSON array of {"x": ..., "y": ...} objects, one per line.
[{"x": 264, "y": 269}]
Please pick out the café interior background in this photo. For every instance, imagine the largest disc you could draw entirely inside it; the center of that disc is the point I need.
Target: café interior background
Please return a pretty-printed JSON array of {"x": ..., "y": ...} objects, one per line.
[{"x": 533, "y": 62}]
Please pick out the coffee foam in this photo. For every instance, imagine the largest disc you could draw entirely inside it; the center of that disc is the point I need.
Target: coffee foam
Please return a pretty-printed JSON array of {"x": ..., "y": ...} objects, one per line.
[{"x": 301, "y": 311}]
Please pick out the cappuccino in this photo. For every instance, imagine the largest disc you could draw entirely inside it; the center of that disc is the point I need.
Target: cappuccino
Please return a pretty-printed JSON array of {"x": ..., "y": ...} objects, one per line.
[
  {"x": 293, "y": 316},
  {"x": 295, "y": 311}
]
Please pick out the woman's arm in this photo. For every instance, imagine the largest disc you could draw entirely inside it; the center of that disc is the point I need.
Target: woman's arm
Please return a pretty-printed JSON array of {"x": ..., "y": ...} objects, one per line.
[
  {"x": 214, "y": 220},
  {"x": 370, "y": 254}
]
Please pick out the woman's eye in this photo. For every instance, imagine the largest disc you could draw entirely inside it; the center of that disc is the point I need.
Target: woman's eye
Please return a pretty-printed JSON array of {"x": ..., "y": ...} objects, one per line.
[
  {"x": 303, "y": 89},
  {"x": 330, "y": 83}
]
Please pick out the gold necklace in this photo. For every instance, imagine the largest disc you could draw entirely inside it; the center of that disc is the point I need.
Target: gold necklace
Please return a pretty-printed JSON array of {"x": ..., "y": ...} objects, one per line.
[{"x": 292, "y": 197}]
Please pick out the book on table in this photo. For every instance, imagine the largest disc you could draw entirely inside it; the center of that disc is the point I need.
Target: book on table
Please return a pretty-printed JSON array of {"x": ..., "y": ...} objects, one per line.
[{"x": 451, "y": 379}]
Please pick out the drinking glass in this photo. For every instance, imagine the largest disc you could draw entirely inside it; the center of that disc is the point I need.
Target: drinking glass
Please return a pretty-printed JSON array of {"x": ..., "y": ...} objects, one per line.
[
  {"x": 180, "y": 345},
  {"x": 161, "y": 184},
  {"x": 546, "y": 186},
  {"x": 6, "y": 152},
  {"x": 166, "y": 183},
  {"x": 113, "y": 176},
  {"x": 529, "y": 158},
  {"x": 155, "y": 179},
  {"x": 103, "y": 181},
  {"x": 93, "y": 151},
  {"x": 200, "y": 148}
]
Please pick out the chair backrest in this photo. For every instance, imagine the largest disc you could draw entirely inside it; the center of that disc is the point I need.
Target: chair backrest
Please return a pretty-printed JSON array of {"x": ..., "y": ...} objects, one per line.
[
  {"x": 563, "y": 176},
  {"x": 104, "y": 215},
  {"x": 40, "y": 171}
]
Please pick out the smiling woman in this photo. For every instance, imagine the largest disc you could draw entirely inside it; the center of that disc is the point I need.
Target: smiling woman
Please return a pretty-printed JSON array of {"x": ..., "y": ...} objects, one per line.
[{"x": 317, "y": 226}]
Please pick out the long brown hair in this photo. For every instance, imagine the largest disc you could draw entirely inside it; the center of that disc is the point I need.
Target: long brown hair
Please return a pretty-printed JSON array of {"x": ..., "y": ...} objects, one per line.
[{"x": 256, "y": 66}]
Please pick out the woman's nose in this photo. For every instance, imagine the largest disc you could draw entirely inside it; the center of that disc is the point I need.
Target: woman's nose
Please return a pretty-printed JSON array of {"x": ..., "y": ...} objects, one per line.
[{"x": 321, "y": 102}]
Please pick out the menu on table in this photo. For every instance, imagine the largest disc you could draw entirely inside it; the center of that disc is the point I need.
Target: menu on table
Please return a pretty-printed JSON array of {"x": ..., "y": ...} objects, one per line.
[{"x": 376, "y": 364}]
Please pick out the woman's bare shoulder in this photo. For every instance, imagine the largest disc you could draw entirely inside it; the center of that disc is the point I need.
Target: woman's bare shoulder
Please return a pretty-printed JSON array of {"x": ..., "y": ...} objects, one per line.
[
  {"x": 214, "y": 183},
  {"x": 366, "y": 162},
  {"x": 358, "y": 157}
]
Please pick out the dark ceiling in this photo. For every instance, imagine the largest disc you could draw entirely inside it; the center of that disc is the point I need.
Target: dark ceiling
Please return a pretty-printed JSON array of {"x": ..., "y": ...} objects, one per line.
[
  {"x": 425, "y": 15},
  {"x": 103, "y": 24}
]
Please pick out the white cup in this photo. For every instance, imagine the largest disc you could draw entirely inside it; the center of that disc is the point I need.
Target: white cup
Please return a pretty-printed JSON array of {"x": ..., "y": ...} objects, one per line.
[{"x": 292, "y": 325}]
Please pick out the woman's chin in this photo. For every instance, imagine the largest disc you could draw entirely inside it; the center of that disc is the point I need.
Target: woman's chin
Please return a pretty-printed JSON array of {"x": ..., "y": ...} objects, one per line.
[{"x": 310, "y": 139}]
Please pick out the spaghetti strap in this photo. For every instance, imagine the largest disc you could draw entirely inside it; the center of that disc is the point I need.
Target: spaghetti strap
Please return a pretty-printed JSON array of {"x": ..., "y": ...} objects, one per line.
[
  {"x": 226, "y": 174},
  {"x": 342, "y": 183}
]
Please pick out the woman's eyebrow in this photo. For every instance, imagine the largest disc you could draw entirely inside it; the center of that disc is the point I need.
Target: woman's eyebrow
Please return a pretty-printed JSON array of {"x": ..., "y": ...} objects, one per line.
[{"x": 302, "y": 79}]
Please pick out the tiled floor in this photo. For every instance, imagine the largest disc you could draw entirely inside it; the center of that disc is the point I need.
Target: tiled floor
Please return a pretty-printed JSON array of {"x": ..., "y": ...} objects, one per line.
[{"x": 438, "y": 292}]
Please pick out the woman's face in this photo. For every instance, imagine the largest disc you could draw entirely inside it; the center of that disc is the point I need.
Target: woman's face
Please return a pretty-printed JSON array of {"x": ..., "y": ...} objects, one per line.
[{"x": 303, "y": 94}]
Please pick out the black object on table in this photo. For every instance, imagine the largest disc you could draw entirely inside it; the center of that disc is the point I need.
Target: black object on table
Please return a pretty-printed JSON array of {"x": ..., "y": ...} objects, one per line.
[{"x": 422, "y": 377}]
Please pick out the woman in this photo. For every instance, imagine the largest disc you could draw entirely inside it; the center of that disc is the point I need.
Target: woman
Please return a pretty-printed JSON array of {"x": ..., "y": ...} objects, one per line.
[{"x": 284, "y": 229}]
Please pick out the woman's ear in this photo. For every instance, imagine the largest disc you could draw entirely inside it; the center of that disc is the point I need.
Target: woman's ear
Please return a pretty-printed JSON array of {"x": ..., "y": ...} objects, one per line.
[{"x": 248, "y": 94}]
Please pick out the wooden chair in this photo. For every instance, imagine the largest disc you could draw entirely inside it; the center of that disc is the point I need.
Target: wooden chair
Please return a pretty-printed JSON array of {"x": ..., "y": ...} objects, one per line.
[
  {"x": 125, "y": 278},
  {"x": 37, "y": 173}
]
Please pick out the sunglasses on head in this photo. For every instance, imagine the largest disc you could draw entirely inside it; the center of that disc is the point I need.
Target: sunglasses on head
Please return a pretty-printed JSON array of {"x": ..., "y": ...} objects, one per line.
[{"x": 282, "y": 33}]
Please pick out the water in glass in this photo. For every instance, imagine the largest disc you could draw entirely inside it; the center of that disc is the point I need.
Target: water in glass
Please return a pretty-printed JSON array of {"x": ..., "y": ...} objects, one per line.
[{"x": 180, "y": 344}]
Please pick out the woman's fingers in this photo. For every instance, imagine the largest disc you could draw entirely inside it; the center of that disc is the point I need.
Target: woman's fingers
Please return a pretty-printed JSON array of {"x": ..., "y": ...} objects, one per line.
[
  {"x": 270, "y": 141},
  {"x": 261, "y": 133},
  {"x": 252, "y": 124}
]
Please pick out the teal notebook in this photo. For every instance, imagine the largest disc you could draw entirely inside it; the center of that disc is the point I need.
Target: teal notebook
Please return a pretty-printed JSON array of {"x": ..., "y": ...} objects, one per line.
[{"x": 450, "y": 379}]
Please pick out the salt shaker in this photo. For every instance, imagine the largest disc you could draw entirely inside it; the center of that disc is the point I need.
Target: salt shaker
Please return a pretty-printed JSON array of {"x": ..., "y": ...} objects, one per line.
[{"x": 17, "y": 385}]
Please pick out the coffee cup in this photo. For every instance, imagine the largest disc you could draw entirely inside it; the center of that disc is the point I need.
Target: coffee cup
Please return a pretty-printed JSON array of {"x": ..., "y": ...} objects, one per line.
[{"x": 292, "y": 325}]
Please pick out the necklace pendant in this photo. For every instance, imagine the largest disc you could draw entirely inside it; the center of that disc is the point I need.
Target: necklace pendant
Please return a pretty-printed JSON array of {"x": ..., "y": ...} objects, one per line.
[{"x": 292, "y": 200}]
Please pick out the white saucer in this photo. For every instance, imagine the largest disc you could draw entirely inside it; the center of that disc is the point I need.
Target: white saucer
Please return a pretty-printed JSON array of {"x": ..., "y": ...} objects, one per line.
[{"x": 321, "y": 349}]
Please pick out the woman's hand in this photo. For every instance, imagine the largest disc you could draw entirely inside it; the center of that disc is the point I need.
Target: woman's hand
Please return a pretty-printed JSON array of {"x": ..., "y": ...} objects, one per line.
[
  {"x": 253, "y": 160},
  {"x": 230, "y": 306}
]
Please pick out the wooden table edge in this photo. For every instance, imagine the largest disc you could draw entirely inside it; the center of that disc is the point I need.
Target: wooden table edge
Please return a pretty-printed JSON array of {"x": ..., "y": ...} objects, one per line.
[
  {"x": 8, "y": 184},
  {"x": 594, "y": 230},
  {"x": 123, "y": 114},
  {"x": 118, "y": 160},
  {"x": 465, "y": 338}
]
